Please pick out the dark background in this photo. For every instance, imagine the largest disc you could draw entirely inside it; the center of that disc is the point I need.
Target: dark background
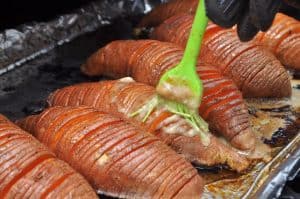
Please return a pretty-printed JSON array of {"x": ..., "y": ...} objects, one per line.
[{"x": 15, "y": 12}]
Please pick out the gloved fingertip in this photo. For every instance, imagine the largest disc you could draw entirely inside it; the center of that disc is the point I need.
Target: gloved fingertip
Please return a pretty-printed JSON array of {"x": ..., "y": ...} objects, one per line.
[
  {"x": 246, "y": 30},
  {"x": 224, "y": 13},
  {"x": 247, "y": 36},
  {"x": 264, "y": 27},
  {"x": 262, "y": 12}
]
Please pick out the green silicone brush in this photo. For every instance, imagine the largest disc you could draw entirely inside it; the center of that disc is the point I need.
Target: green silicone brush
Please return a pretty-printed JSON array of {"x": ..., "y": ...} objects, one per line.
[
  {"x": 180, "y": 89},
  {"x": 182, "y": 84}
]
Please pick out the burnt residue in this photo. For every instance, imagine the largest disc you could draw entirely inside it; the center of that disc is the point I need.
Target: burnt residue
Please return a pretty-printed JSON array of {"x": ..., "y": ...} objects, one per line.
[
  {"x": 217, "y": 172},
  {"x": 9, "y": 89},
  {"x": 284, "y": 135},
  {"x": 275, "y": 121},
  {"x": 252, "y": 111},
  {"x": 207, "y": 169},
  {"x": 142, "y": 33},
  {"x": 281, "y": 109},
  {"x": 296, "y": 75},
  {"x": 297, "y": 86}
]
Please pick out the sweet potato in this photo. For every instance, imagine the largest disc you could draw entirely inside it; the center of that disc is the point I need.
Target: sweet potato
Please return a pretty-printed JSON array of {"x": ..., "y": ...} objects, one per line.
[
  {"x": 254, "y": 69},
  {"x": 145, "y": 61},
  {"x": 124, "y": 97},
  {"x": 29, "y": 170},
  {"x": 114, "y": 156},
  {"x": 283, "y": 39}
]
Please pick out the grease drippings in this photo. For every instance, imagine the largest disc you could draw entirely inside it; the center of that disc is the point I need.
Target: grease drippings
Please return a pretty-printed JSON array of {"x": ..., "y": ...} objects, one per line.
[{"x": 283, "y": 136}]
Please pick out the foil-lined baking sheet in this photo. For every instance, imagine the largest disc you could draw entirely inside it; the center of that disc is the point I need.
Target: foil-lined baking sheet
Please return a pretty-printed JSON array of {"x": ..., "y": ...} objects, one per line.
[{"x": 42, "y": 57}]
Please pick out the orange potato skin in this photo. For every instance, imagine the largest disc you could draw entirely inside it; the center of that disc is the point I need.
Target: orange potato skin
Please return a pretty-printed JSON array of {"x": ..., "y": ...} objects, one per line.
[
  {"x": 115, "y": 157},
  {"x": 124, "y": 98},
  {"x": 146, "y": 60},
  {"x": 29, "y": 170},
  {"x": 255, "y": 70},
  {"x": 283, "y": 39}
]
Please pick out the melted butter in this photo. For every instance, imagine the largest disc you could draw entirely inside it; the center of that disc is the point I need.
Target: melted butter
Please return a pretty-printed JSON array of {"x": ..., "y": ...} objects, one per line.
[
  {"x": 261, "y": 152},
  {"x": 103, "y": 159},
  {"x": 118, "y": 86},
  {"x": 270, "y": 115},
  {"x": 126, "y": 80},
  {"x": 145, "y": 111},
  {"x": 176, "y": 125},
  {"x": 265, "y": 125},
  {"x": 179, "y": 93}
]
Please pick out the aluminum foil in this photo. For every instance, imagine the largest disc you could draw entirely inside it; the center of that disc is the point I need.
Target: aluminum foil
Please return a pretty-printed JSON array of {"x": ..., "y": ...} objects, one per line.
[
  {"x": 26, "y": 42},
  {"x": 30, "y": 40}
]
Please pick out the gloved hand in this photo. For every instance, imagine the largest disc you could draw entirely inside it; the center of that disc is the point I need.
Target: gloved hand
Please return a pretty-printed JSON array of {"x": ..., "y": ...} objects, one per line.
[{"x": 250, "y": 16}]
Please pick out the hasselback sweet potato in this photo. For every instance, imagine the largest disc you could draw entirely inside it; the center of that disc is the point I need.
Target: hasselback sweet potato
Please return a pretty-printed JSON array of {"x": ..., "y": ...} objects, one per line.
[
  {"x": 283, "y": 39},
  {"x": 29, "y": 170},
  {"x": 147, "y": 60},
  {"x": 114, "y": 156},
  {"x": 124, "y": 97},
  {"x": 254, "y": 69}
]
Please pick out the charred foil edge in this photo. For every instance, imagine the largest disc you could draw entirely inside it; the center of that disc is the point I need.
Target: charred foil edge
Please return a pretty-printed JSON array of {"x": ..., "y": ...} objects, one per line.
[
  {"x": 264, "y": 181},
  {"x": 271, "y": 179}
]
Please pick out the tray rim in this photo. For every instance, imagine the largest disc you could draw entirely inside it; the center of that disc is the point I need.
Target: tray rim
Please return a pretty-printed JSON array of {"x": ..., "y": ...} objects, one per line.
[{"x": 285, "y": 155}]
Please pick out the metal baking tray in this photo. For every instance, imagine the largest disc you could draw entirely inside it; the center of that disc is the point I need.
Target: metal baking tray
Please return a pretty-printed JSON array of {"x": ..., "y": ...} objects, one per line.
[{"x": 36, "y": 59}]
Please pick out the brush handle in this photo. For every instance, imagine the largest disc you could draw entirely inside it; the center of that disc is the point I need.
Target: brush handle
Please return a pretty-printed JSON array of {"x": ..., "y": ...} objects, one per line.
[{"x": 193, "y": 46}]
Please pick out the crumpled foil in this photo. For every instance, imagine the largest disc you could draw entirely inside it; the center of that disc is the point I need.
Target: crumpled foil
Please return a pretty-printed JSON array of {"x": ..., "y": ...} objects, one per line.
[{"x": 28, "y": 41}]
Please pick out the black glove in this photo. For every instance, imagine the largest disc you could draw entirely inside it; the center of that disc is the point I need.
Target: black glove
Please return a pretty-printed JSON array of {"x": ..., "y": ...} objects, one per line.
[{"x": 250, "y": 16}]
